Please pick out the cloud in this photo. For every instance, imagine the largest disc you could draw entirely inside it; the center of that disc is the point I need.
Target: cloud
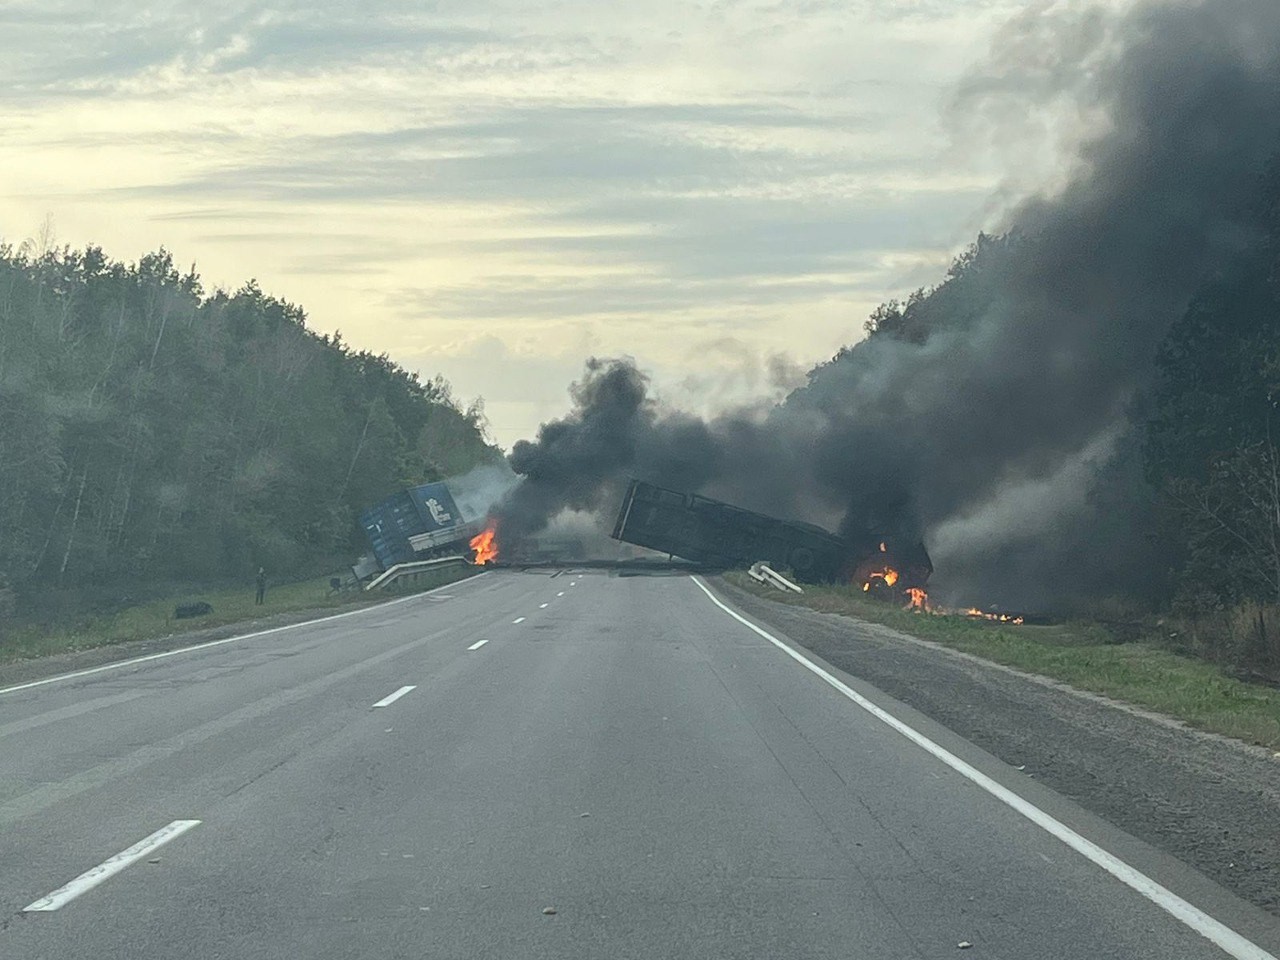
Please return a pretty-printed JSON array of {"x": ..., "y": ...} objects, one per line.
[{"x": 412, "y": 169}]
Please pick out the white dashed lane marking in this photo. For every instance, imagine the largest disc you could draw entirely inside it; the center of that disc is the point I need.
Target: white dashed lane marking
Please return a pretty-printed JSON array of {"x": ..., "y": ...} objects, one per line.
[{"x": 388, "y": 700}]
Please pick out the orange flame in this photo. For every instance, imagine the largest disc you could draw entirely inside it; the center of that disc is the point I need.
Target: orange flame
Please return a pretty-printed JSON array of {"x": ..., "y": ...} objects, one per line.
[
  {"x": 919, "y": 599},
  {"x": 888, "y": 575},
  {"x": 997, "y": 617},
  {"x": 485, "y": 545}
]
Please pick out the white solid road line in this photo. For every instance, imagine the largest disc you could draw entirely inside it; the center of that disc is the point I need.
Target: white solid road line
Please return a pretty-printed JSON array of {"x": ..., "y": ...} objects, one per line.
[
  {"x": 217, "y": 643},
  {"x": 478, "y": 644},
  {"x": 518, "y": 620},
  {"x": 108, "y": 868},
  {"x": 387, "y": 701},
  {"x": 1212, "y": 930}
]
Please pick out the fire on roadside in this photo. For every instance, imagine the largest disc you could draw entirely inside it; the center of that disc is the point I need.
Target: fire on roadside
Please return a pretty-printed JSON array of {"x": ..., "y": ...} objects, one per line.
[
  {"x": 917, "y": 599},
  {"x": 888, "y": 576},
  {"x": 983, "y": 615},
  {"x": 485, "y": 545}
]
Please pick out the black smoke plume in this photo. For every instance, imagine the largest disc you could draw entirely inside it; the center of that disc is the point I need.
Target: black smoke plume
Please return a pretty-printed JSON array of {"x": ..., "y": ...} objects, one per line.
[{"x": 979, "y": 416}]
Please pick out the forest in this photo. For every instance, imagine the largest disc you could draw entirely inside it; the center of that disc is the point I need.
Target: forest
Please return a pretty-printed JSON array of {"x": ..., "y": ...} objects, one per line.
[{"x": 154, "y": 434}]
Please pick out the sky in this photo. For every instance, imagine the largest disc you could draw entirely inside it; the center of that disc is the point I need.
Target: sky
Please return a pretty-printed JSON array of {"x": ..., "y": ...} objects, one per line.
[{"x": 495, "y": 191}]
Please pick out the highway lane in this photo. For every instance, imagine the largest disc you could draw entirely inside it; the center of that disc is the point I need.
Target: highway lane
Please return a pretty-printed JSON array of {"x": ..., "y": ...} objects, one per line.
[{"x": 618, "y": 750}]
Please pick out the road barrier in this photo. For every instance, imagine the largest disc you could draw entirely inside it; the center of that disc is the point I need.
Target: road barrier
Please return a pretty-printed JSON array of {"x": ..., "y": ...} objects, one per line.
[
  {"x": 766, "y": 574},
  {"x": 415, "y": 569}
]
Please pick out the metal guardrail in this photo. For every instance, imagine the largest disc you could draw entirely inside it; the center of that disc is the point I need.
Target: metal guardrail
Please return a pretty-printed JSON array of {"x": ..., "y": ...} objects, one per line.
[
  {"x": 766, "y": 574},
  {"x": 414, "y": 569}
]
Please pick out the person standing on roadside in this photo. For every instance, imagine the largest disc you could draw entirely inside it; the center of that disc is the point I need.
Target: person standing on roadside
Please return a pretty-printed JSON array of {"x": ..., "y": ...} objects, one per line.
[{"x": 262, "y": 586}]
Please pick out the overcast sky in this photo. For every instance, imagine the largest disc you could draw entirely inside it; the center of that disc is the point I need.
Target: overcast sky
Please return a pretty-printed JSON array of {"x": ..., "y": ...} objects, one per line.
[{"x": 497, "y": 190}]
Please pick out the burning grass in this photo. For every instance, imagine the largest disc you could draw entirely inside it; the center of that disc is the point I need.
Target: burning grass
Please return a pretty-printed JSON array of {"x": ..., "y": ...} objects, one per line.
[{"x": 1084, "y": 655}]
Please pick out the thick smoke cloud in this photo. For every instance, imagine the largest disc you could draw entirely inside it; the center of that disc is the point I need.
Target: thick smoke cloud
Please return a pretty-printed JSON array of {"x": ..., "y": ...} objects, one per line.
[{"x": 1031, "y": 373}]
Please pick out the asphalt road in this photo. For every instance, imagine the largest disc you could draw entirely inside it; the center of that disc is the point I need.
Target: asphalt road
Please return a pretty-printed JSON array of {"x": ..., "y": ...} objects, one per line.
[{"x": 619, "y": 750}]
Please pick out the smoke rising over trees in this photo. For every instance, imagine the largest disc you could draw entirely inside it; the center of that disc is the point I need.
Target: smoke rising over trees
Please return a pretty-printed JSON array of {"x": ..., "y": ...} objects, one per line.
[{"x": 1000, "y": 414}]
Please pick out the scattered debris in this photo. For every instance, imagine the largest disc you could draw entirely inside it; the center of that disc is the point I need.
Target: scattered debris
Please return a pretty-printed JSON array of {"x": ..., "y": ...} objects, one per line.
[
  {"x": 963, "y": 945},
  {"x": 584, "y": 815},
  {"x": 549, "y": 911},
  {"x": 154, "y": 860}
]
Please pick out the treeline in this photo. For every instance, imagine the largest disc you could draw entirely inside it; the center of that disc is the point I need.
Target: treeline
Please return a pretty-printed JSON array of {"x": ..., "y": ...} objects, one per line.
[{"x": 153, "y": 432}]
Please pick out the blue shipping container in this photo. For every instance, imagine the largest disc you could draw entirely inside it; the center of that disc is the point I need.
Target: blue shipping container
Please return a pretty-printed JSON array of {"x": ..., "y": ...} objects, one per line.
[
  {"x": 389, "y": 525},
  {"x": 436, "y": 508}
]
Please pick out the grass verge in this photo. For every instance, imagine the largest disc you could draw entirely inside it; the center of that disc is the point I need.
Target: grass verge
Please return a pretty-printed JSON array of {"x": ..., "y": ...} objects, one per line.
[
  {"x": 1083, "y": 655},
  {"x": 154, "y": 620}
]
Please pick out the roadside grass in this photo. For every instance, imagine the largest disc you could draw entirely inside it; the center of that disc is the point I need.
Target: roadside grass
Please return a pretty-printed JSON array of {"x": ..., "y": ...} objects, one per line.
[
  {"x": 153, "y": 620},
  {"x": 1084, "y": 655}
]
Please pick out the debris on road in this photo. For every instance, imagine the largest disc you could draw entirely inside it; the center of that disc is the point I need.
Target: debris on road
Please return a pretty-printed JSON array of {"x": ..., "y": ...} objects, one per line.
[{"x": 549, "y": 911}]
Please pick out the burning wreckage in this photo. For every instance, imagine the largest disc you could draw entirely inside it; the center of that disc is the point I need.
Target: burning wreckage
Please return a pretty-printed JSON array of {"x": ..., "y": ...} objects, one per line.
[
  {"x": 690, "y": 526},
  {"x": 706, "y": 531},
  {"x": 424, "y": 522},
  {"x": 709, "y": 531}
]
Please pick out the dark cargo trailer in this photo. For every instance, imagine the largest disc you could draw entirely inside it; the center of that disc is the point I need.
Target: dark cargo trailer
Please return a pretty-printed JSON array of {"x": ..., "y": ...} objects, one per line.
[{"x": 704, "y": 530}]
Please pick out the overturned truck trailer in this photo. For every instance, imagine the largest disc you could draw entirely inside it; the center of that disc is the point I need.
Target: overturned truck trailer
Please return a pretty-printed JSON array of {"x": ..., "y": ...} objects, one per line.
[
  {"x": 709, "y": 531},
  {"x": 416, "y": 524},
  {"x": 704, "y": 530}
]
